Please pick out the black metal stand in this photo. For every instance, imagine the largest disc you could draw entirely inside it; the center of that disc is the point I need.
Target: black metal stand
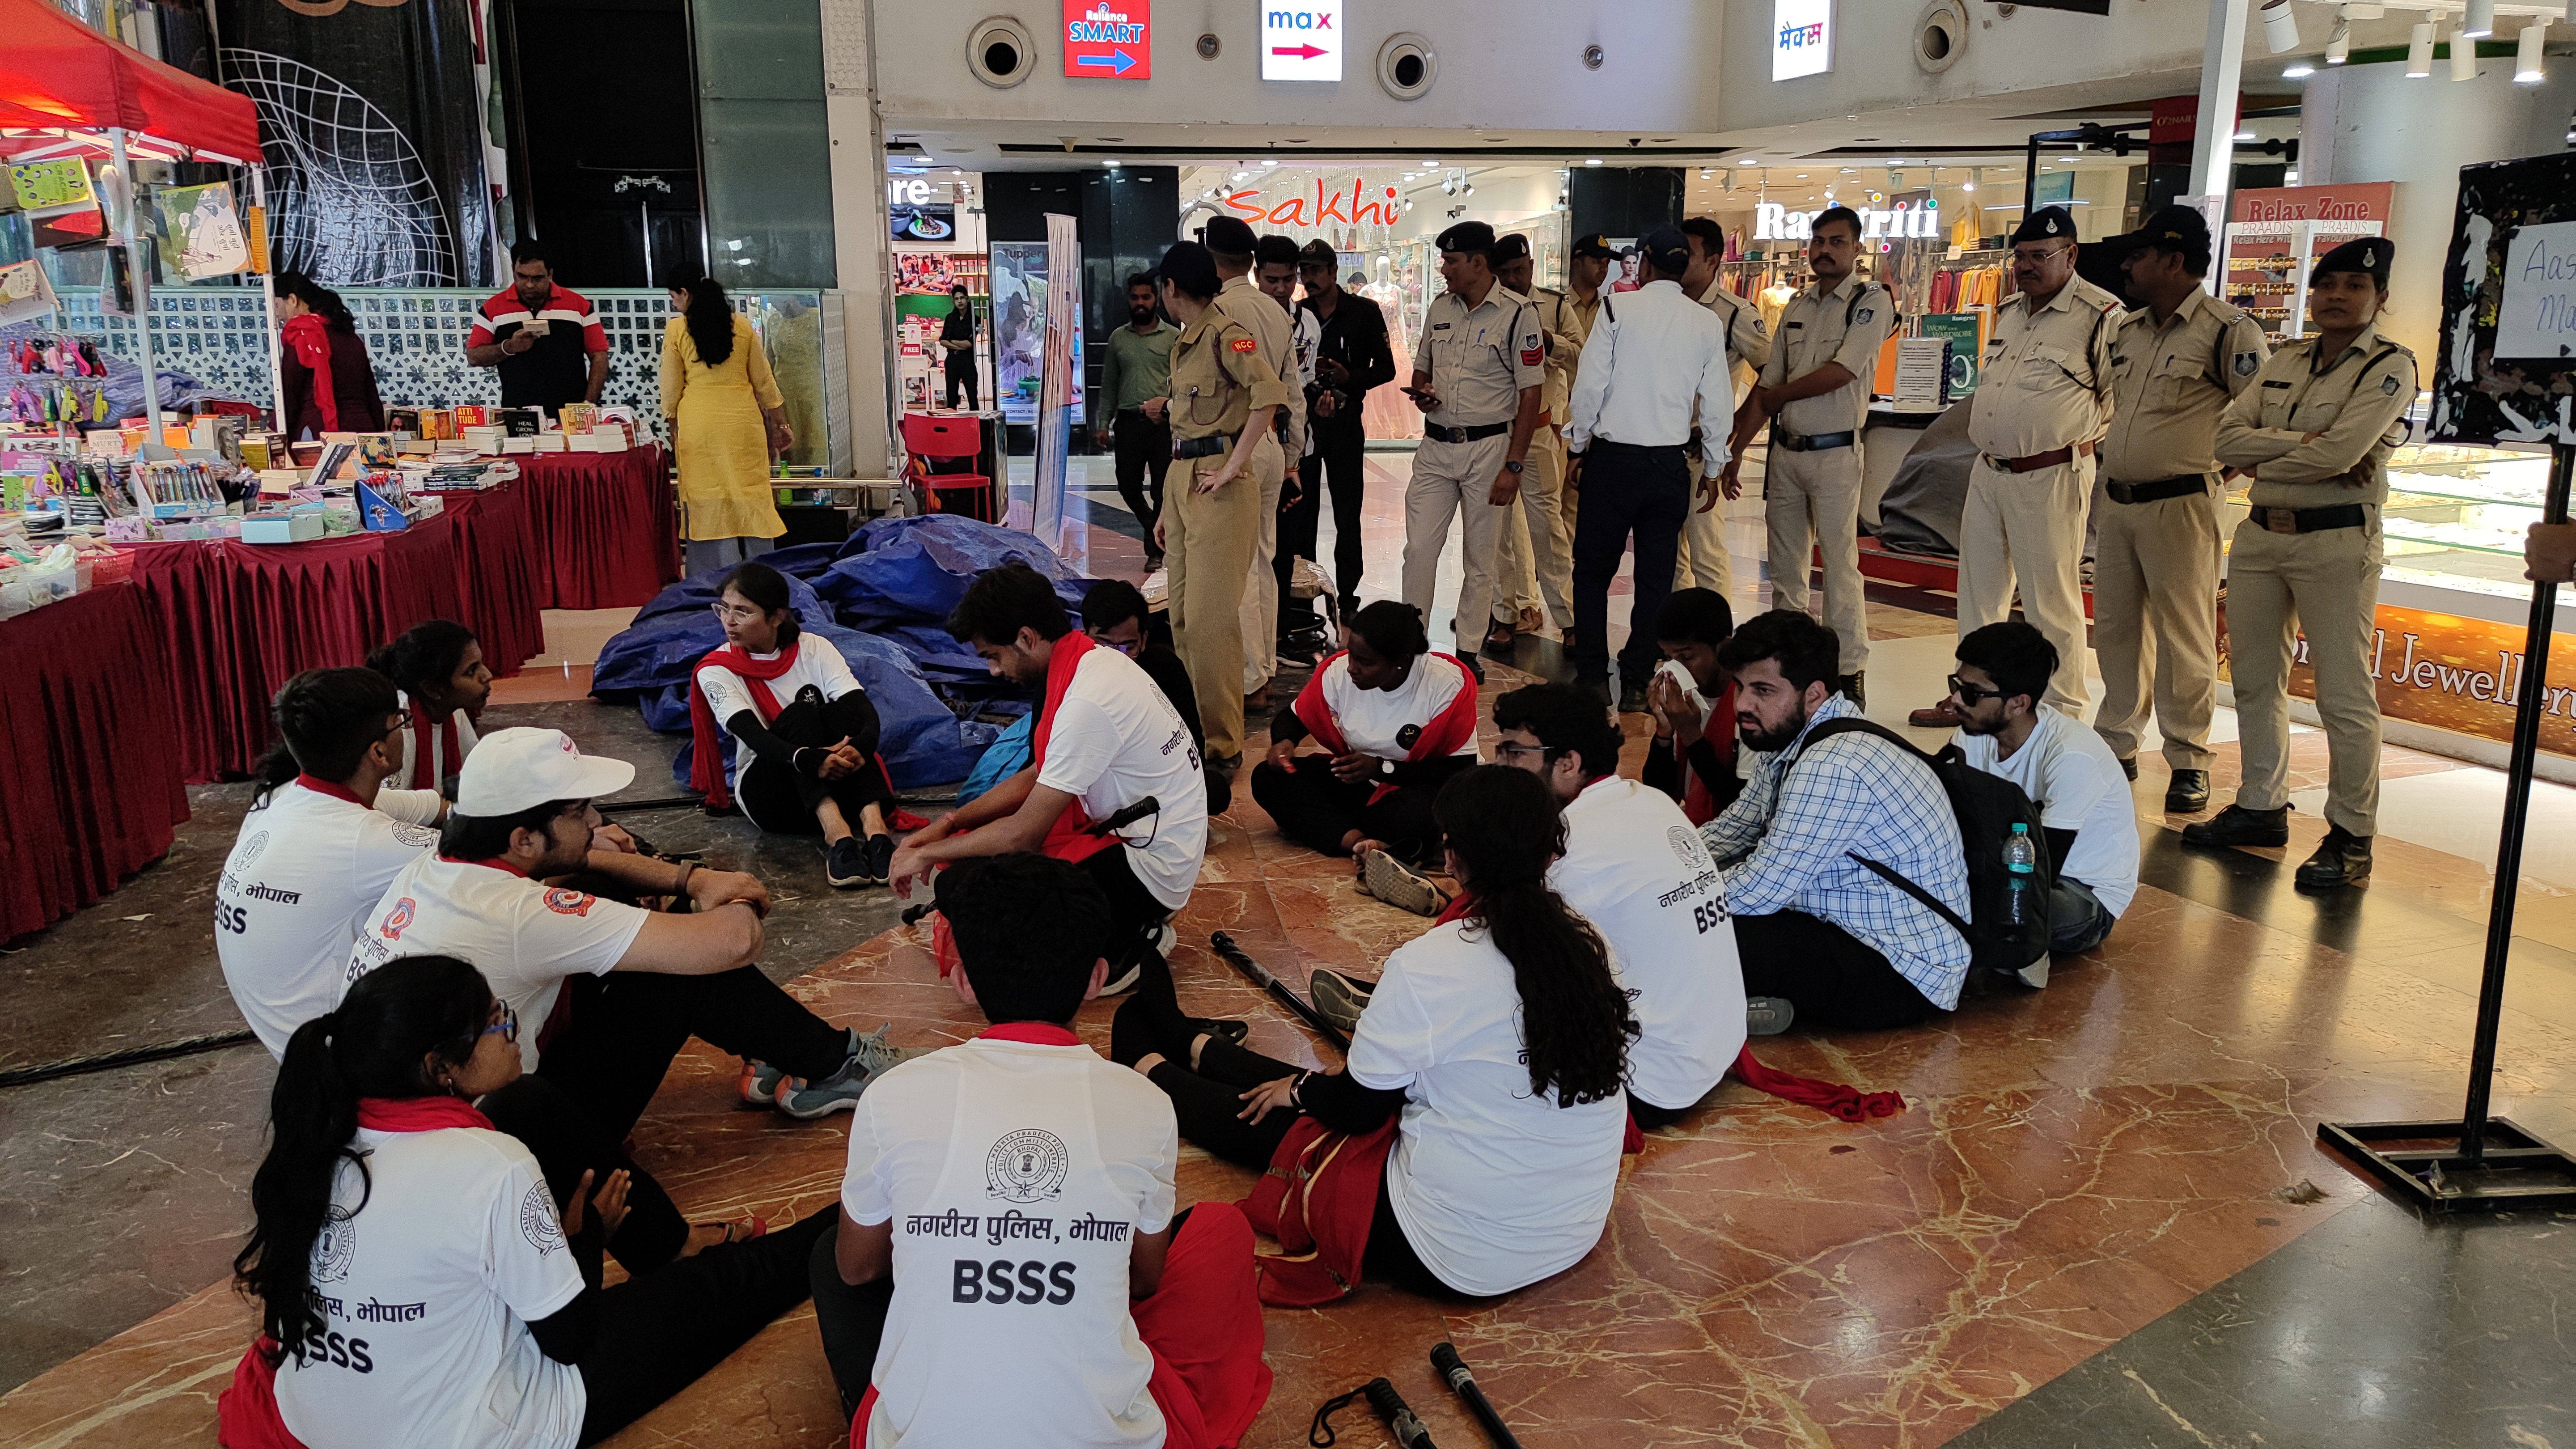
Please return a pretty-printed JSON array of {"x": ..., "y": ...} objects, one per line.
[{"x": 2478, "y": 1161}]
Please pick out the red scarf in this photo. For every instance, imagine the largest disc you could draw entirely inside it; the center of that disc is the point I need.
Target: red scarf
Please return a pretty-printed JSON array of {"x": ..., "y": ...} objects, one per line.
[
  {"x": 1319, "y": 1199},
  {"x": 1441, "y": 735},
  {"x": 246, "y": 1415},
  {"x": 706, "y": 758},
  {"x": 1697, "y": 803},
  {"x": 310, "y": 339},
  {"x": 1036, "y": 1033},
  {"x": 424, "y": 769},
  {"x": 1066, "y": 840},
  {"x": 325, "y": 787}
]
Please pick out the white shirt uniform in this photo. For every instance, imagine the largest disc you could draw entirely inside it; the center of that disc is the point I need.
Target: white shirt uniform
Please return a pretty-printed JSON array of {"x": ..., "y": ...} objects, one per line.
[
  {"x": 818, "y": 663},
  {"x": 304, "y": 873},
  {"x": 525, "y": 937},
  {"x": 1635, "y": 868},
  {"x": 440, "y": 767},
  {"x": 1117, "y": 739},
  {"x": 1496, "y": 1188},
  {"x": 1653, "y": 356},
  {"x": 2079, "y": 785},
  {"x": 1017, "y": 1176},
  {"x": 1374, "y": 721},
  {"x": 427, "y": 1291}
]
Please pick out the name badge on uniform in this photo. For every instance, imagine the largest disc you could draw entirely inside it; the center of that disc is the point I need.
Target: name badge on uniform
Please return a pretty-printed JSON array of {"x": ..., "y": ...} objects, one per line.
[{"x": 1439, "y": 326}]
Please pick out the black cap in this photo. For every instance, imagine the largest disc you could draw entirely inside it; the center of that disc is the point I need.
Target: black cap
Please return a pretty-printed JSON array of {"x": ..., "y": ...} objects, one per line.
[
  {"x": 1276, "y": 251},
  {"x": 1318, "y": 253},
  {"x": 1189, "y": 267},
  {"x": 1667, "y": 248},
  {"x": 1510, "y": 248},
  {"x": 1229, "y": 235},
  {"x": 2368, "y": 255},
  {"x": 1596, "y": 246},
  {"x": 2174, "y": 229},
  {"x": 1468, "y": 236},
  {"x": 2047, "y": 222}
]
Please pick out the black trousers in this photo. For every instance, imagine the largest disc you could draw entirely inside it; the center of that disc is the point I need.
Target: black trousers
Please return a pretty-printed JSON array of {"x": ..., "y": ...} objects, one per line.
[
  {"x": 661, "y": 1333},
  {"x": 1639, "y": 491},
  {"x": 962, "y": 375},
  {"x": 1316, "y": 810},
  {"x": 1341, "y": 460},
  {"x": 1299, "y": 522},
  {"x": 567, "y": 1140},
  {"x": 625, "y": 1027},
  {"x": 782, "y": 801},
  {"x": 1825, "y": 971},
  {"x": 1648, "y": 1116},
  {"x": 1133, "y": 910},
  {"x": 1142, "y": 448}
]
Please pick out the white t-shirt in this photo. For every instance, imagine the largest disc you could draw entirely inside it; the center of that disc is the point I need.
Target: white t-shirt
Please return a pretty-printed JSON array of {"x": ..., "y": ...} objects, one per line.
[
  {"x": 2066, "y": 769},
  {"x": 1635, "y": 868},
  {"x": 305, "y": 870},
  {"x": 1375, "y": 721},
  {"x": 1116, "y": 740},
  {"x": 427, "y": 1292},
  {"x": 818, "y": 663},
  {"x": 440, "y": 767},
  {"x": 1496, "y": 1188},
  {"x": 525, "y": 937},
  {"x": 1017, "y": 1177}
]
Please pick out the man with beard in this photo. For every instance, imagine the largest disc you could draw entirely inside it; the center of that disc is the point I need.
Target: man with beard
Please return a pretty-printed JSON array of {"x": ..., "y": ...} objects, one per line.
[
  {"x": 1815, "y": 925},
  {"x": 1134, "y": 382}
]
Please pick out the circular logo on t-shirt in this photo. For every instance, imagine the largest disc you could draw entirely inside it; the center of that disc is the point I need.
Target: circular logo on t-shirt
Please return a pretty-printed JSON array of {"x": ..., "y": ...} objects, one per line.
[
  {"x": 570, "y": 903},
  {"x": 538, "y": 1221},
  {"x": 1685, "y": 844},
  {"x": 418, "y": 837},
  {"x": 398, "y": 920},
  {"x": 335, "y": 1246},
  {"x": 1025, "y": 1166},
  {"x": 1409, "y": 736},
  {"x": 250, "y": 850}
]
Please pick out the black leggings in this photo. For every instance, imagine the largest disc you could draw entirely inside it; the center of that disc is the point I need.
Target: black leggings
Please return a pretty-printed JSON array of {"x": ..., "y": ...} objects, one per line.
[
  {"x": 661, "y": 1333},
  {"x": 782, "y": 800},
  {"x": 567, "y": 1140},
  {"x": 624, "y": 1028},
  {"x": 1316, "y": 810},
  {"x": 1133, "y": 910}
]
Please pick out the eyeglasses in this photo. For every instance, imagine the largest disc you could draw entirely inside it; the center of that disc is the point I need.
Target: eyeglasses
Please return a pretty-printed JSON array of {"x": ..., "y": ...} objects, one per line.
[
  {"x": 743, "y": 614},
  {"x": 507, "y": 1026},
  {"x": 1969, "y": 694},
  {"x": 1508, "y": 747}
]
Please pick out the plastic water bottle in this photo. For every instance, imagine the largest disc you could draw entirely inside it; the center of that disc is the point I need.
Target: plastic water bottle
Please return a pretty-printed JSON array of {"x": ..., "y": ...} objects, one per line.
[{"x": 2021, "y": 866}]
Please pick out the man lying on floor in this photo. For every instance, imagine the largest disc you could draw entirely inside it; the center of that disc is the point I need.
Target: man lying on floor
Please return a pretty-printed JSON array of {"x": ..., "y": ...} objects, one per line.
[{"x": 1008, "y": 1269}]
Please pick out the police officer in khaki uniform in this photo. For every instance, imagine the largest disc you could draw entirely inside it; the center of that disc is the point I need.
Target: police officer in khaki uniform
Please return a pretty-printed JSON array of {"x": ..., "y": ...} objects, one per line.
[
  {"x": 1238, "y": 300},
  {"x": 1534, "y": 554},
  {"x": 1224, "y": 446},
  {"x": 1705, "y": 560},
  {"x": 1815, "y": 393},
  {"x": 1476, "y": 377},
  {"x": 2176, "y": 362},
  {"x": 2042, "y": 403},
  {"x": 1587, "y": 281},
  {"x": 2315, "y": 431}
]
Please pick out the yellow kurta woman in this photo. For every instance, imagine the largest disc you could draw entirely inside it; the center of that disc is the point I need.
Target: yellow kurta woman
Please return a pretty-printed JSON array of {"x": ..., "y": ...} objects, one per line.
[{"x": 723, "y": 409}]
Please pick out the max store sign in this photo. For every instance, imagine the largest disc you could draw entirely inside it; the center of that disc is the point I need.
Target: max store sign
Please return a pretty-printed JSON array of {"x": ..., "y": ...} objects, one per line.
[
  {"x": 1357, "y": 208},
  {"x": 1774, "y": 222}
]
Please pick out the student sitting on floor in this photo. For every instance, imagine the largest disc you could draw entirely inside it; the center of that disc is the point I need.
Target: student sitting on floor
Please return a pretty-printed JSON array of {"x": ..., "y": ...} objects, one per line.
[
  {"x": 1498, "y": 1040},
  {"x": 1839, "y": 943},
  {"x": 1082, "y": 1311},
  {"x": 804, "y": 733},
  {"x": 1106, "y": 740},
  {"x": 523, "y": 813},
  {"x": 2063, "y": 766},
  {"x": 1395, "y": 723},
  {"x": 418, "y": 1282},
  {"x": 1692, "y": 758},
  {"x": 1115, "y": 616},
  {"x": 439, "y": 668}
]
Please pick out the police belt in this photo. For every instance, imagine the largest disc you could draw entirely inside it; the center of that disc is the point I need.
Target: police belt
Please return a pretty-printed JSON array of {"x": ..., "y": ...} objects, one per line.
[
  {"x": 2308, "y": 520},
  {"x": 1810, "y": 442},
  {"x": 1439, "y": 434},
  {"x": 1208, "y": 447},
  {"x": 2037, "y": 461},
  {"x": 2159, "y": 490}
]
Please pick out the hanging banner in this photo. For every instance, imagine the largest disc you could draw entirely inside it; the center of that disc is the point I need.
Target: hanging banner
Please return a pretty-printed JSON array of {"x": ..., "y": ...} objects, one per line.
[
  {"x": 199, "y": 236},
  {"x": 61, "y": 205},
  {"x": 1056, "y": 525}
]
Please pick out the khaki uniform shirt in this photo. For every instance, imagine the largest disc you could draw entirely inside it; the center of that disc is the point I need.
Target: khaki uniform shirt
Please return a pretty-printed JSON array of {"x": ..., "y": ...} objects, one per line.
[
  {"x": 2170, "y": 383},
  {"x": 2047, "y": 378},
  {"x": 1565, "y": 328},
  {"x": 1813, "y": 333},
  {"x": 1219, "y": 376},
  {"x": 1480, "y": 358},
  {"x": 1746, "y": 342},
  {"x": 2354, "y": 401},
  {"x": 1276, "y": 340}
]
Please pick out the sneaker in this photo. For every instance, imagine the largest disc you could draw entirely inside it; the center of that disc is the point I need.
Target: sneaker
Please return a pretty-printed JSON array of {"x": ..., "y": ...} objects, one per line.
[
  {"x": 1122, "y": 982},
  {"x": 759, "y": 1085},
  {"x": 880, "y": 858},
  {"x": 2341, "y": 859},
  {"x": 870, "y": 1057},
  {"x": 1224, "y": 1028},
  {"x": 1768, "y": 1015},
  {"x": 1337, "y": 998},
  {"x": 1391, "y": 881},
  {"x": 1854, "y": 687},
  {"x": 2188, "y": 792},
  {"x": 2237, "y": 825},
  {"x": 845, "y": 865},
  {"x": 1939, "y": 716},
  {"x": 2034, "y": 975}
]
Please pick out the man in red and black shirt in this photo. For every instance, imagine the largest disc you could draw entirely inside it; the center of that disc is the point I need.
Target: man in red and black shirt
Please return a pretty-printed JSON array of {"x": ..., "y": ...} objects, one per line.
[{"x": 545, "y": 339}]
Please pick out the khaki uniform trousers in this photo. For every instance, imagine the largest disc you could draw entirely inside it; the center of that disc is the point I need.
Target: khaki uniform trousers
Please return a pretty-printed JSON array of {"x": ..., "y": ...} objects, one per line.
[
  {"x": 2325, "y": 585},
  {"x": 2155, "y": 612},
  {"x": 1454, "y": 479},
  {"x": 2029, "y": 526},
  {"x": 1260, "y": 607},
  {"x": 1811, "y": 500},
  {"x": 1703, "y": 561},
  {"x": 1208, "y": 543},
  {"x": 1534, "y": 553}
]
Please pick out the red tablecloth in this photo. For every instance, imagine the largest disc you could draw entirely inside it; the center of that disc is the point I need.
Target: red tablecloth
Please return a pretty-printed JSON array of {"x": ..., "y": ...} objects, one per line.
[
  {"x": 89, "y": 789},
  {"x": 238, "y": 620},
  {"x": 607, "y": 527},
  {"x": 497, "y": 569}
]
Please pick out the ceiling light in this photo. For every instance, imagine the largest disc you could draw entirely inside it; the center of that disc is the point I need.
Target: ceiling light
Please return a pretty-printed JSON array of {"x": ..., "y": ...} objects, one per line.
[
  {"x": 1975, "y": 175},
  {"x": 2339, "y": 44},
  {"x": 1111, "y": 163},
  {"x": 2478, "y": 21},
  {"x": 2419, "y": 52},
  {"x": 1430, "y": 165},
  {"x": 2527, "y": 68},
  {"x": 2280, "y": 27},
  {"x": 2298, "y": 70},
  {"x": 2464, "y": 57},
  {"x": 1239, "y": 175},
  {"x": 1591, "y": 160},
  {"x": 2242, "y": 136},
  {"x": 1747, "y": 161},
  {"x": 1270, "y": 163}
]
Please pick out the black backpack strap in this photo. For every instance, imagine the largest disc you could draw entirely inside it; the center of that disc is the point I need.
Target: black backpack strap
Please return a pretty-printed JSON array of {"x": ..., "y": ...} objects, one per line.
[{"x": 1854, "y": 725}]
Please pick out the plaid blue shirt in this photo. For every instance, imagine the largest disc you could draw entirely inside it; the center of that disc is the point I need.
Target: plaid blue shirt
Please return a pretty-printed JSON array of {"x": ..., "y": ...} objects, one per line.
[{"x": 1789, "y": 848}]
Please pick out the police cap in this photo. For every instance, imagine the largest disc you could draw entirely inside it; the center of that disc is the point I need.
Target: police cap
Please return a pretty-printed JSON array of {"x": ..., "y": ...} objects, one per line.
[
  {"x": 1510, "y": 248},
  {"x": 1597, "y": 246},
  {"x": 2368, "y": 255},
  {"x": 1667, "y": 248},
  {"x": 1473, "y": 237},
  {"x": 2047, "y": 222},
  {"x": 1229, "y": 236}
]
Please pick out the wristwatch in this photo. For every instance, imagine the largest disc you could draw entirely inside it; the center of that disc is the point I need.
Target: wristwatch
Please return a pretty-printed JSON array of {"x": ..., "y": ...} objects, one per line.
[
  {"x": 1511, "y": 467},
  {"x": 1386, "y": 768}
]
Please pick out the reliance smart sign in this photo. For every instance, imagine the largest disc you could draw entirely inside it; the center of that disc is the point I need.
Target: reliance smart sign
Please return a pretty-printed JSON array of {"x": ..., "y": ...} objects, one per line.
[
  {"x": 1301, "y": 42},
  {"x": 1109, "y": 39},
  {"x": 1802, "y": 38}
]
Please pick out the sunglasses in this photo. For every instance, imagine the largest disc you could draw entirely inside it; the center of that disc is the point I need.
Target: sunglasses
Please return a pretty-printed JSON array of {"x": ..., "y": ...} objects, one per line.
[{"x": 1969, "y": 693}]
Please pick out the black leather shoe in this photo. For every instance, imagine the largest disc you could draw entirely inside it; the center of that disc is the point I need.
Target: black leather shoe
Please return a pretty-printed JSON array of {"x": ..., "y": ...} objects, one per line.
[
  {"x": 1473, "y": 667},
  {"x": 1632, "y": 700},
  {"x": 2188, "y": 794},
  {"x": 1849, "y": 687},
  {"x": 2342, "y": 859},
  {"x": 2237, "y": 825},
  {"x": 2129, "y": 767}
]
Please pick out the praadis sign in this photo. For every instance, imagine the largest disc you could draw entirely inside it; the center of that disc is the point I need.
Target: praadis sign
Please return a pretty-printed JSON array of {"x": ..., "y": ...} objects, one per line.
[
  {"x": 1109, "y": 39},
  {"x": 1802, "y": 38},
  {"x": 1301, "y": 40}
]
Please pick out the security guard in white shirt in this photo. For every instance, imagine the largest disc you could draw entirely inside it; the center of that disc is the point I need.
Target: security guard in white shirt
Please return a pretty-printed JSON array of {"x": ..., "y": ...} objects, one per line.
[
  {"x": 1815, "y": 392},
  {"x": 1705, "y": 561},
  {"x": 1534, "y": 554},
  {"x": 2042, "y": 403},
  {"x": 1476, "y": 378}
]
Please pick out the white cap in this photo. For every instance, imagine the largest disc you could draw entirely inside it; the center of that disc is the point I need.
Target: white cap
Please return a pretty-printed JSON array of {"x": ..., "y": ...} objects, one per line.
[{"x": 520, "y": 769}]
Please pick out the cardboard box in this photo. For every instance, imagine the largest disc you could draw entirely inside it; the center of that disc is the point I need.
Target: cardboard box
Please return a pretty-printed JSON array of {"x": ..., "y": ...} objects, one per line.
[{"x": 281, "y": 527}]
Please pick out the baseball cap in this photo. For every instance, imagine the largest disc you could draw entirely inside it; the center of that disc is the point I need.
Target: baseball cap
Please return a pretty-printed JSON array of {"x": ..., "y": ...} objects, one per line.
[
  {"x": 520, "y": 769},
  {"x": 1510, "y": 248},
  {"x": 2368, "y": 255},
  {"x": 1230, "y": 236},
  {"x": 2040, "y": 225},
  {"x": 1596, "y": 246},
  {"x": 1318, "y": 253},
  {"x": 1667, "y": 248},
  {"x": 1468, "y": 236},
  {"x": 2172, "y": 229}
]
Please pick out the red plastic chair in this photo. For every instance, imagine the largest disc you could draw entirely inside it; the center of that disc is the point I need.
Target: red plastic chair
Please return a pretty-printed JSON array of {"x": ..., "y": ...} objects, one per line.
[{"x": 928, "y": 439}]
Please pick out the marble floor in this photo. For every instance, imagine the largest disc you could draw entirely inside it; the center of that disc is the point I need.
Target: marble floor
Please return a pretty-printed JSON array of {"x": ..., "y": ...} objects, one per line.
[{"x": 2101, "y": 1219}]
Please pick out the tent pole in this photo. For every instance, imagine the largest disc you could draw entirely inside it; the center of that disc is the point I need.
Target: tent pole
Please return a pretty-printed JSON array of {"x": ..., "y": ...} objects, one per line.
[
  {"x": 268, "y": 293},
  {"x": 136, "y": 266}
]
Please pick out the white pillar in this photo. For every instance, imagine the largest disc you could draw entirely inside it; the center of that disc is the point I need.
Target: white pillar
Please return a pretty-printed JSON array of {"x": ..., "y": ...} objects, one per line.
[
  {"x": 268, "y": 298},
  {"x": 2222, "y": 75},
  {"x": 863, "y": 247}
]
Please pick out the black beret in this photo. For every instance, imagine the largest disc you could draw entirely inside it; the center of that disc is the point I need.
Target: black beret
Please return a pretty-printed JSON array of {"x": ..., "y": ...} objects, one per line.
[
  {"x": 1468, "y": 236},
  {"x": 2368, "y": 255},
  {"x": 1596, "y": 246},
  {"x": 1229, "y": 235},
  {"x": 1668, "y": 248},
  {"x": 2047, "y": 222},
  {"x": 1189, "y": 267},
  {"x": 1277, "y": 251},
  {"x": 1510, "y": 248}
]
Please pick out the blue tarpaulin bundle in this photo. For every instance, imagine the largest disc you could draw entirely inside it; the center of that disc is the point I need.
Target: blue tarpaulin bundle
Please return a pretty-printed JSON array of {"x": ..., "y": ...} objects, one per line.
[{"x": 914, "y": 570}]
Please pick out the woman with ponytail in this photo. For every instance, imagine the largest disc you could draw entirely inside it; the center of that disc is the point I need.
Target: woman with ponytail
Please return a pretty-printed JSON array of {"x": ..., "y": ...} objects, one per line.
[
  {"x": 438, "y": 666},
  {"x": 1497, "y": 1041},
  {"x": 722, "y": 409},
  {"x": 330, "y": 385},
  {"x": 419, "y": 1281}
]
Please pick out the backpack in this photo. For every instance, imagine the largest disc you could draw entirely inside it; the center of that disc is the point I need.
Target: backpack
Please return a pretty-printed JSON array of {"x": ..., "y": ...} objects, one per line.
[{"x": 1988, "y": 807}]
